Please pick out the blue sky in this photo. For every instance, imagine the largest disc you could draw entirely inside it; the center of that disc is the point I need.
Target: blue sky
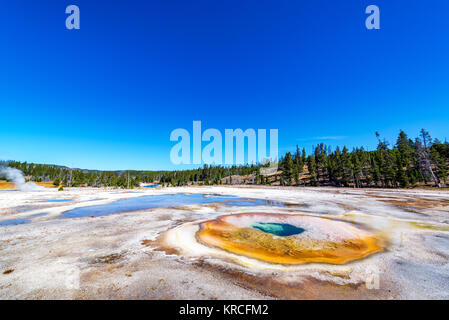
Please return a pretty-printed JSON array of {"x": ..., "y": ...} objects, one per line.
[{"x": 108, "y": 95}]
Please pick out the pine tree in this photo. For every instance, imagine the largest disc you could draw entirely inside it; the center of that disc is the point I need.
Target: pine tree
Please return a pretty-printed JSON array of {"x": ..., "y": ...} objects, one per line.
[
  {"x": 386, "y": 162},
  {"x": 299, "y": 163},
  {"x": 442, "y": 168},
  {"x": 311, "y": 165},
  {"x": 401, "y": 176},
  {"x": 56, "y": 182},
  {"x": 346, "y": 167},
  {"x": 287, "y": 168},
  {"x": 357, "y": 169},
  {"x": 337, "y": 167},
  {"x": 422, "y": 150},
  {"x": 375, "y": 171},
  {"x": 404, "y": 145},
  {"x": 296, "y": 176}
]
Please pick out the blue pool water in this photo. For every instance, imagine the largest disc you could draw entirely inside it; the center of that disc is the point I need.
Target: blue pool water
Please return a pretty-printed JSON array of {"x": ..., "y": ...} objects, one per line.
[
  {"x": 13, "y": 222},
  {"x": 157, "y": 201},
  {"x": 59, "y": 200},
  {"x": 154, "y": 185},
  {"x": 37, "y": 215},
  {"x": 279, "y": 229}
]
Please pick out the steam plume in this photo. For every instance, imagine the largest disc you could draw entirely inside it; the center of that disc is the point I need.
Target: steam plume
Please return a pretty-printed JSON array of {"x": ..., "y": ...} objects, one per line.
[{"x": 19, "y": 180}]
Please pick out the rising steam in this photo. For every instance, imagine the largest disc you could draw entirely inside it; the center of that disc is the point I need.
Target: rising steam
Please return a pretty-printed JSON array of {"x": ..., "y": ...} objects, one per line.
[{"x": 19, "y": 180}]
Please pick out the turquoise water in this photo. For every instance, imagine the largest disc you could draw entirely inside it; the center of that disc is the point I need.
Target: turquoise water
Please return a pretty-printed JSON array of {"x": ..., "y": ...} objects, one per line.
[
  {"x": 59, "y": 200},
  {"x": 279, "y": 229},
  {"x": 165, "y": 200}
]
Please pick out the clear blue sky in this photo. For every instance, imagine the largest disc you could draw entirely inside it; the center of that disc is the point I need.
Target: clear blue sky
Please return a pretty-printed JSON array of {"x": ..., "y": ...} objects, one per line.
[{"x": 108, "y": 95}]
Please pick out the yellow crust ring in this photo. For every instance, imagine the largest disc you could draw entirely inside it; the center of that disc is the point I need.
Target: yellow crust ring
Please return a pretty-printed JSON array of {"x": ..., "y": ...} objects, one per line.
[{"x": 289, "y": 250}]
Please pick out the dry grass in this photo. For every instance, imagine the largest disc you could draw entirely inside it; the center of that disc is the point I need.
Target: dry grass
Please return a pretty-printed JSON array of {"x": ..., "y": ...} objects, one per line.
[
  {"x": 7, "y": 185},
  {"x": 47, "y": 184}
]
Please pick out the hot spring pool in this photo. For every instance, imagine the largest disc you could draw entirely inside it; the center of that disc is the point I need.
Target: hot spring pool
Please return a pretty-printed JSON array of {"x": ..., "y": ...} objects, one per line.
[{"x": 286, "y": 239}]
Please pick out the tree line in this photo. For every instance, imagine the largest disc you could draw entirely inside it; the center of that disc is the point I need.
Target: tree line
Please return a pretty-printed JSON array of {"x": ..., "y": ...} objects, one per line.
[
  {"x": 69, "y": 177},
  {"x": 406, "y": 163}
]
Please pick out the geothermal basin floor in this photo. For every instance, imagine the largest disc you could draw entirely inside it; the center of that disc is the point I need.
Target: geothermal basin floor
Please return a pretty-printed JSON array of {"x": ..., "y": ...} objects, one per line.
[{"x": 156, "y": 253}]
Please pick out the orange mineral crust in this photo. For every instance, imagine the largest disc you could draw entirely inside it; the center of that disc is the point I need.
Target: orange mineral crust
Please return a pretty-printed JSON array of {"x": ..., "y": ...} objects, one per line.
[{"x": 323, "y": 240}]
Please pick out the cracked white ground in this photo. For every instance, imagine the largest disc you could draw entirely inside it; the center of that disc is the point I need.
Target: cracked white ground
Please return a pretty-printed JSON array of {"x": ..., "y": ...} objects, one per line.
[{"x": 118, "y": 256}]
